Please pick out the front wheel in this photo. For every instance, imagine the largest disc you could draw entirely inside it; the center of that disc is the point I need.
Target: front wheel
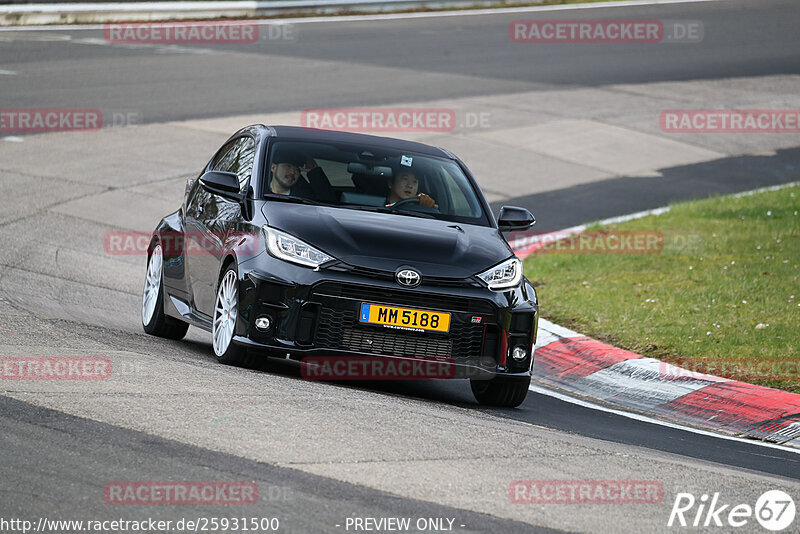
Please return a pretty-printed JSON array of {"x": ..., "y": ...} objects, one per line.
[
  {"x": 226, "y": 311},
  {"x": 501, "y": 391},
  {"x": 154, "y": 321}
]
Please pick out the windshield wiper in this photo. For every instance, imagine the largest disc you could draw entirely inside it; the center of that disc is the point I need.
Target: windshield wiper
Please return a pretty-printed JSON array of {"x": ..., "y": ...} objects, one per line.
[
  {"x": 289, "y": 198},
  {"x": 379, "y": 209}
]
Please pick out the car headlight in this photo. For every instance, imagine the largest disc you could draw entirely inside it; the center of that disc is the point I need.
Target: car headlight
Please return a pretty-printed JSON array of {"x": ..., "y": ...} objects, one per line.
[
  {"x": 289, "y": 248},
  {"x": 503, "y": 275}
]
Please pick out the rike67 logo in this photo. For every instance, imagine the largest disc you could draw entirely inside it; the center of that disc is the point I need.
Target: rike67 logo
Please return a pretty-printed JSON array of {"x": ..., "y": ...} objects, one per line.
[{"x": 774, "y": 510}]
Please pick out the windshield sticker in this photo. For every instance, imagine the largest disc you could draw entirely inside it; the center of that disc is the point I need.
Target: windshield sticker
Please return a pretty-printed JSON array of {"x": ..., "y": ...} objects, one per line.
[{"x": 406, "y": 160}]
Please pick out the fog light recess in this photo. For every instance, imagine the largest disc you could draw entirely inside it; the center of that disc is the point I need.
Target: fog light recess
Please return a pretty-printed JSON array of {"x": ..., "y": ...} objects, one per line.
[
  {"x": 519, "y": 353},
  {"x": 263, "y": 322}
]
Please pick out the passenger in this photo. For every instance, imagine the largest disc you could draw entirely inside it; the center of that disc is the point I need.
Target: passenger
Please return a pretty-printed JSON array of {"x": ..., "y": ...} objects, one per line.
[
  {"x": 403, "y": 185},
  {"x": 285, "y": 175},
  {"x": 287, "y": 178}
]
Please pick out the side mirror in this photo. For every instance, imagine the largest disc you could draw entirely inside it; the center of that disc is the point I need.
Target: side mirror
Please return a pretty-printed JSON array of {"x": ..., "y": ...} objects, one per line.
[
  {"x": 512, "y": 218},
  {"x": 224, "y": 184}
]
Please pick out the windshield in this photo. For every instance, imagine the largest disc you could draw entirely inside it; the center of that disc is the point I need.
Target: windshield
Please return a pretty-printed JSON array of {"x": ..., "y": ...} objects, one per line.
[{"x": 367, "y": 178}]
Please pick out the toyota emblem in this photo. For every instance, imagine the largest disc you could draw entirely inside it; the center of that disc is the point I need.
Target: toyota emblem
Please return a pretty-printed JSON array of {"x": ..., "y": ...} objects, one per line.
[{"x": 408, "y": 278}]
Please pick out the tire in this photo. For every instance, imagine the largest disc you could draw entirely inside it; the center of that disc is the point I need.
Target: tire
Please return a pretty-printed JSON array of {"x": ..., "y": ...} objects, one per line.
[
  {"x": 154, "y": 321},
  {"x": 226, "y": 312},
  {"x": 500, "y": 391}
]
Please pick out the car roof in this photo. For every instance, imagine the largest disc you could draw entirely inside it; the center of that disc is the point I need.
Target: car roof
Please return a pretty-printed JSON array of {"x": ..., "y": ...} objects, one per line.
[{"x": 313, "y": 134}]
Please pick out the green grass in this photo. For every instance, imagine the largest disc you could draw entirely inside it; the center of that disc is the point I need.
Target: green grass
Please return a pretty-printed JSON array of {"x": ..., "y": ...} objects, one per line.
[{"x": 727, "y": 265}]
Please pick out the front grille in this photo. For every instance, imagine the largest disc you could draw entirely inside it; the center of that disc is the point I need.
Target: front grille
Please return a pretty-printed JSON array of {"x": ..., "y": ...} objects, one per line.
[
  {"x": 339, "y": 329},
  {"x": 401, "y": 297},
  {"x": 389, "y": 276},
  {"x": 375, "y": 341},
  {"x": 330, "y": 328}
]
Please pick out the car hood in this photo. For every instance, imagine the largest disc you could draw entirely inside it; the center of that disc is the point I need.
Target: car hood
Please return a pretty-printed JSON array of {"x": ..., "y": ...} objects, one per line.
[{"x": 388, "y": 241}]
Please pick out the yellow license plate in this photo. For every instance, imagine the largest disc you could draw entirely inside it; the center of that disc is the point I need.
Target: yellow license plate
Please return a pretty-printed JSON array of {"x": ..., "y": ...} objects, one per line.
[{"x": 404, "y": 318}]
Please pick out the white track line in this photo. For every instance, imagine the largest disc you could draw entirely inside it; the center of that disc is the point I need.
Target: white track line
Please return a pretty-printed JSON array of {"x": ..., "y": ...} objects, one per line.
[
  {"x": 765, "y": 189},
  {"x": 397, "y": 16},
  {"x": 643, "y": 418}
]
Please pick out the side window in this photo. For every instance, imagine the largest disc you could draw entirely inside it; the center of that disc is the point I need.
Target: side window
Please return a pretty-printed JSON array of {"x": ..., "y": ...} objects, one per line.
[
  {"x": 225, "y": 156},
  {"x": 237, "y": 157},
  {"x": 247, "y": 154}
]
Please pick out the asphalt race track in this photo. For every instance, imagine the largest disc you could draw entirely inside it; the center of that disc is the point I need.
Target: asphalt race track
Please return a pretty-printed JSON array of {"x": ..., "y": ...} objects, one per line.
[{"x": 321, "y": 453}]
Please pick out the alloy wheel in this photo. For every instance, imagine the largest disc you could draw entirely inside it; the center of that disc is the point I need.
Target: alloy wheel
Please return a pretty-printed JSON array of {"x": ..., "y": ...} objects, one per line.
[
  {"x": 152, "y": 285},
  {"x": 225, "y": 313}
]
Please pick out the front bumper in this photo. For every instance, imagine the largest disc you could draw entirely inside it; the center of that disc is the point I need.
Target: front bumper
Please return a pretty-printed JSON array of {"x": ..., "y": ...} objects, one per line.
[{"x": 315, "y": 314}]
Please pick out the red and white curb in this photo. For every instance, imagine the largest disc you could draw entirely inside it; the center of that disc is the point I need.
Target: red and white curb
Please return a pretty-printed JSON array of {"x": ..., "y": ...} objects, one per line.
[
  {"x": 567, "y": 361},
  {"x": 580, "y": 366}
]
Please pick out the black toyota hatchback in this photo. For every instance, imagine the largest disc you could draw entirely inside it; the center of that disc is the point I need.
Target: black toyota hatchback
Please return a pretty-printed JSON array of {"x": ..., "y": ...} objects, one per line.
[{"x": 312, "y": 244}]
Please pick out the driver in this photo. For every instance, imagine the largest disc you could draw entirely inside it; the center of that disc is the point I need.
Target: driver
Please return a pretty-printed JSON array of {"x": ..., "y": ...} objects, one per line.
[{"x": 404, "y": 184}]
